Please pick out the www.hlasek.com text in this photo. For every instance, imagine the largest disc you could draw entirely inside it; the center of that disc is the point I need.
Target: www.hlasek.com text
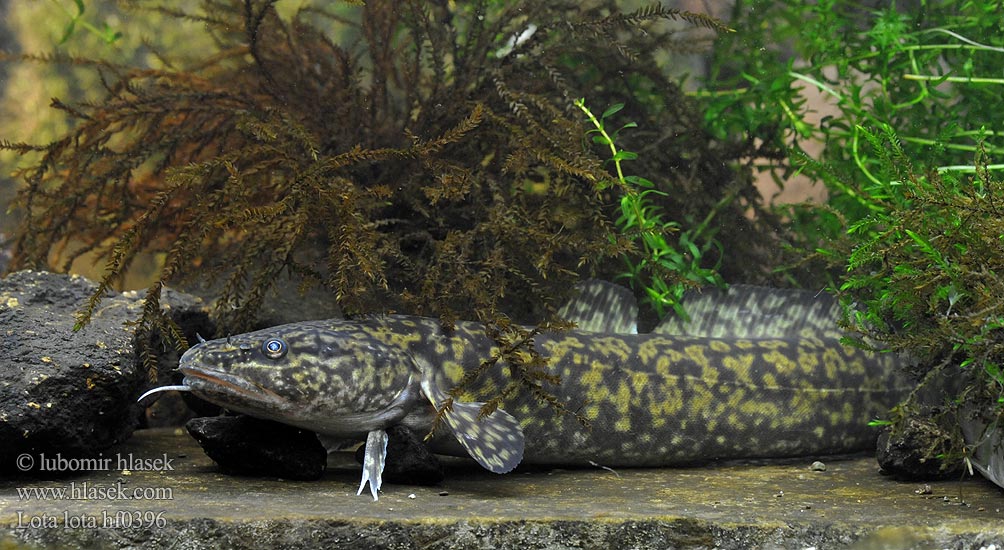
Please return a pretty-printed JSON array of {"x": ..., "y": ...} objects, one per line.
[{"x": 91, "y": 491}]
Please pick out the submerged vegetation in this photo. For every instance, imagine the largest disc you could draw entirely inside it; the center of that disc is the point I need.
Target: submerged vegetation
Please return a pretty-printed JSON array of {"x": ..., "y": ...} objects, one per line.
[
  {"x": 107, "y": 34},
  {"x": 911, "y": 234},
  {"x": 408, "y": 156},
  {"x": 926, "y": 265},
  {"x": 924, "y": 277},
  {"x": 931, "y": 73},
  {"x": 661, "y": 263}
]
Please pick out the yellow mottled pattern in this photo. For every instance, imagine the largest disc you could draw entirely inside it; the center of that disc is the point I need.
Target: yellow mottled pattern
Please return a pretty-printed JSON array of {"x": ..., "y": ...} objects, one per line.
[
  {"x": 649, "y": 353},
  {"x": 650, "y": 399},
  {"x": 454, "y": 371},
  {"x": 740, "y": 364},
  {"x": 743, "y": 344},
  {"x": 719, "y": 345},
  {"x": 660, "y": 400},
  {"x": 782, "y": 361}
]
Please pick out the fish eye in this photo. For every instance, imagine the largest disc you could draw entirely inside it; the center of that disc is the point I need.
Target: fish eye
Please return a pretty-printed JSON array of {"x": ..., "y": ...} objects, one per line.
[{"x": 274, "y": 348}]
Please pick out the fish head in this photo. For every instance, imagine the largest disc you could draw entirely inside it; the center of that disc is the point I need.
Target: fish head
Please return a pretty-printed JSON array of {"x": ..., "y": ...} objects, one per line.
[{"x": 328, "y": 376}]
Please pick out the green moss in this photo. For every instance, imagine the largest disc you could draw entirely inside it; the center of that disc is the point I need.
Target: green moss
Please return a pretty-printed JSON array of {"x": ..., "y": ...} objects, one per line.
[
  {"x": 908, "y": 151},
  {"x": 924, "y": 277}
]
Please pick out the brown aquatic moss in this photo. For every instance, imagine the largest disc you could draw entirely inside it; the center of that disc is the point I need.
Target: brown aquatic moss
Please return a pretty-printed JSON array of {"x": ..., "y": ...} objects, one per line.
[{"x": 411, "y": 165}]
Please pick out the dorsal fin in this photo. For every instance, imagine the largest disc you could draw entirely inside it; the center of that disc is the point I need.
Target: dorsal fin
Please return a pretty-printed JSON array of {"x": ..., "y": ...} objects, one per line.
[
  {"x": 745, "y": 311},
  {"x": 602, "y": 307}
]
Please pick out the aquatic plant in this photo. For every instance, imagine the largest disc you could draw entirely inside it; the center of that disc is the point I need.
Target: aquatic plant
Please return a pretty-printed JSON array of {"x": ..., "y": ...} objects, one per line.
[
  {"x": 107, "y": 34},
  {"x": 932, "y": 74},
  {"x": 663, "y": 271},
  {"x": 419, "y": 157},
  {"x": 924, "y": 277},
  {"x": 911, "y": 230}
]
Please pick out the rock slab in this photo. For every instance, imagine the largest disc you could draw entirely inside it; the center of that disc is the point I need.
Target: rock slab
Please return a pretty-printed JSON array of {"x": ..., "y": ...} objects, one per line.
[
  {"x": 66, "y": 394},
  {"x": 187, "y": 503}
]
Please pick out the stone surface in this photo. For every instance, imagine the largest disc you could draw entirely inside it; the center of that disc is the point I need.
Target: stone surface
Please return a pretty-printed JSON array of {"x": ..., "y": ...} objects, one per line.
[
  {"x": 63, "y": 392},
  {"x": 249, "y": 446},
  {"x": 768, "y": 506}
]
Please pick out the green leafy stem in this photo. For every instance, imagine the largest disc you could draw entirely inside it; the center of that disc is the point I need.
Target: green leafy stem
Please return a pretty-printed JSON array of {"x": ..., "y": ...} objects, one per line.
[
  {"x": 106, "y": 33},
  {"x": 641, "y": 220}
]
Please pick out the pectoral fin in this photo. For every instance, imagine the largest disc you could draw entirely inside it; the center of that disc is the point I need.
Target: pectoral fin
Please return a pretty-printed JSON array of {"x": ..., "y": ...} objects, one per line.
[{"x": 495, "y": 441}]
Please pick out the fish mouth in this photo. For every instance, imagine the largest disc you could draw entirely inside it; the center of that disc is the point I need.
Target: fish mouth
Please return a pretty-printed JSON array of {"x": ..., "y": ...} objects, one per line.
[{"x": 213, "y": 382}]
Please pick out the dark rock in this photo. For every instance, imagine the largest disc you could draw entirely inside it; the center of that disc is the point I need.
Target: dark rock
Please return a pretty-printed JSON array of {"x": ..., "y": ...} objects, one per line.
[
  {"x": 65, "y": 393},
  {"x": 249, "y": 446},
  {"x": 5, "y": 252},
  {"x": 910, "y": 452},
  {"x": 409, "y": 461}
]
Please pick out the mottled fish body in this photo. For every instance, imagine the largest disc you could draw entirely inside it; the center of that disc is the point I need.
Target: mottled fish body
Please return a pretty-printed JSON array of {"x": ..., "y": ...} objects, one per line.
[
  {"x": 756, "y": 373},
  {"x": 658, "y": 400}
]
